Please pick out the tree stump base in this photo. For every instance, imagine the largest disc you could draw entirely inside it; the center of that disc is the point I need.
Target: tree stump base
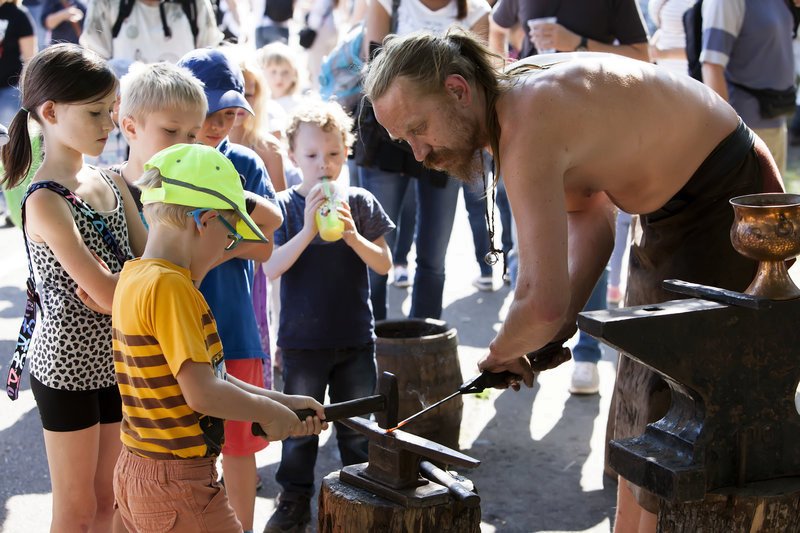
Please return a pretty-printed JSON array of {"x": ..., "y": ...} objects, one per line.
[
  {"x": 344, "y": 508},
  {"x": 767, "y": 506}
]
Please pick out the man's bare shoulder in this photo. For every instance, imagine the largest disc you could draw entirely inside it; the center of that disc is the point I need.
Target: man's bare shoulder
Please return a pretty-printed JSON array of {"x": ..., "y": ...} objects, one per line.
[
  {"x": 608, "y": 123},
  {"x": 550, "y": 93},
  {"x": 539, "y": 102}
]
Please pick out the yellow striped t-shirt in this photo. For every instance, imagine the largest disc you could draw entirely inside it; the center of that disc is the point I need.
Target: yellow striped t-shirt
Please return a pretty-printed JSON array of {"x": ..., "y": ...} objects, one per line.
[{"x": 160, "y": 321}]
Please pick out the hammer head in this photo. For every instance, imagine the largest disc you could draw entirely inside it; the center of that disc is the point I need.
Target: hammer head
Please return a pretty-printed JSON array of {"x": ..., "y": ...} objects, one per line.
[{"x": 387, "y": 387}]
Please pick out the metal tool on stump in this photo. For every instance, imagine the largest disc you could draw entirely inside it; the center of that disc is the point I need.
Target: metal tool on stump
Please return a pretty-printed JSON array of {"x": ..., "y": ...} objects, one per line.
[
  {"x": 387, "y": 493},
  {"x": 393, "y": 469},
  {"x": 731, "y": 362}
]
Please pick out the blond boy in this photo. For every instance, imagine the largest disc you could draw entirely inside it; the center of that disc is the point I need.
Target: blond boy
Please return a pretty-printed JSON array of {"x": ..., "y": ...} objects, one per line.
[
  {"x": 326, "y": 329},
  {"x": 168, "y": 357},
  {"x": 160, "y": 105}
]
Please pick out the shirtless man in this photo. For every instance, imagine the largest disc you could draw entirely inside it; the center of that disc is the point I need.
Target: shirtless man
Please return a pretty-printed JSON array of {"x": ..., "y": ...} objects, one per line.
[{"x": 573, "y": 140}]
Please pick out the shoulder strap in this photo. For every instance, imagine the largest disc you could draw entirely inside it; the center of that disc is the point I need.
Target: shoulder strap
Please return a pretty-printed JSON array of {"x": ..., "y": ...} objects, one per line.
[
  {"x": 20, "y": 356},
  {"x": 395, "y": 7},
  {"x": 693, "y": 27},
  {"x": 125, "y": 9},
  {"x": 795, "y": 11},
  {"x": 190, "y": 10},
  {"x": 97, "y": 221}
]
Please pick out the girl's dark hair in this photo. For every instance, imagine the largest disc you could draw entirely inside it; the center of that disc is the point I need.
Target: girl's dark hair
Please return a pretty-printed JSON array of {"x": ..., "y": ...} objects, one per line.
[{"x": 63, "y": 73}]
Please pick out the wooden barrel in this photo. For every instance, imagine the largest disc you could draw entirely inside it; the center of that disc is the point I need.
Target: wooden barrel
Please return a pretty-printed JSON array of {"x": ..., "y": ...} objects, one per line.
[{"x": 423, "y": 354}]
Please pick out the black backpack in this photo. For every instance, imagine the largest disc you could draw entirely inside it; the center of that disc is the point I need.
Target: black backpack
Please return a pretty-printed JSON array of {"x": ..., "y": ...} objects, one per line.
[
  {"x": 279, "y": 10},
  {"x": 189, "y": 9},
  {"x": 693, "y": 26}
]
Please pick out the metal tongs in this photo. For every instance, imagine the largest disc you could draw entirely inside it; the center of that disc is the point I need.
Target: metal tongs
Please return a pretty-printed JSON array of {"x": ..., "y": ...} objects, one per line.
[{"x": 486, "y": 380}]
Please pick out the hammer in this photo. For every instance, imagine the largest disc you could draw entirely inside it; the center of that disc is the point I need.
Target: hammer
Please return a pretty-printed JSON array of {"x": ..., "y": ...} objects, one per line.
[
  {"x": 336, "y": 411},
  {"x": 459, "y": 491}
]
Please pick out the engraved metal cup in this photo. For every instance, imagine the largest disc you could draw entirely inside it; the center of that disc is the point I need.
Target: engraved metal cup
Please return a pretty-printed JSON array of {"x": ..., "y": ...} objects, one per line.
[{"x": 766, "y": 228}]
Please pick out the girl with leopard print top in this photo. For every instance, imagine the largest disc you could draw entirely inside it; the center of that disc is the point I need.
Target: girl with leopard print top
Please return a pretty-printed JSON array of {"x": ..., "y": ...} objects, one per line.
[{"x": 70, "y": 92}]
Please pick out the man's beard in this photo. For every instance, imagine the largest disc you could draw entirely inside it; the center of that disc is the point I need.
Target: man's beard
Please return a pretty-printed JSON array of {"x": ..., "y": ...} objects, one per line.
[{"x": 463, "y": 160}]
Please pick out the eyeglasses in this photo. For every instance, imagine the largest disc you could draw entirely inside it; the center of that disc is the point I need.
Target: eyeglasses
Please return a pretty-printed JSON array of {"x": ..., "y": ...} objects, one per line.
[{"x": 233, "y": 235}]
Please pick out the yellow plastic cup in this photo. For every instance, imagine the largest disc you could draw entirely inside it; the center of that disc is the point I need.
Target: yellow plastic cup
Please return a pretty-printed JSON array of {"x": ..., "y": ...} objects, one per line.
[{"x": 329, "y": 225}]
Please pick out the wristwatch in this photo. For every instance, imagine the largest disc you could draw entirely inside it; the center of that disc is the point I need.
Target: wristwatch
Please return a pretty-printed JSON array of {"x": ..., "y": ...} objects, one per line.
[{"x": 583, "y": 46}]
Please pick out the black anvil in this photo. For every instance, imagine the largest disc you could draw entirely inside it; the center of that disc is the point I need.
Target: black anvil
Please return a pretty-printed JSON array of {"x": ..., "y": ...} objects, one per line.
[{"x": 732, "y": 362}]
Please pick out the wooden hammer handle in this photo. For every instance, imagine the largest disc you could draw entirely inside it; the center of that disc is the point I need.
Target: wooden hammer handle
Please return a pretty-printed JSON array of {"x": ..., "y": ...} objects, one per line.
[{"x": 337, "y": 411}]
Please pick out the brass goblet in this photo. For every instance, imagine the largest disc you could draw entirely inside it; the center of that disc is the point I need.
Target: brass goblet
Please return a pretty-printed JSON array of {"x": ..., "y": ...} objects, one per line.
[{"x": 766, "y": 228}]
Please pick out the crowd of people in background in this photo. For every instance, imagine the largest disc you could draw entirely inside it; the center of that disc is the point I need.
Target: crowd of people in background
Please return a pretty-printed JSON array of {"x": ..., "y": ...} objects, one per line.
[{"x": 244, "y": 77}]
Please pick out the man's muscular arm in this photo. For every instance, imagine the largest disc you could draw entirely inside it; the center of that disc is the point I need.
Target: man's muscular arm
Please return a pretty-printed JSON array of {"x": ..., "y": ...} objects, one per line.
[
  {"x": 564, "y": 242},
  {"x": 533, "y": 170},
  {"x": 591, "y": 241},
  {"x": 590, "y": 236}
]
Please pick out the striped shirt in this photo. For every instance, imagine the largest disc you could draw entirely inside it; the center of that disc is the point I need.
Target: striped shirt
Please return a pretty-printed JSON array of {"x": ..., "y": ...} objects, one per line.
[{"x": 160, "y": 321}]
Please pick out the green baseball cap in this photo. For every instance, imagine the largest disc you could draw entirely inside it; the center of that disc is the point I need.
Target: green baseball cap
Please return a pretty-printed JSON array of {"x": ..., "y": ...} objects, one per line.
[{"x": 196, "y": 175}]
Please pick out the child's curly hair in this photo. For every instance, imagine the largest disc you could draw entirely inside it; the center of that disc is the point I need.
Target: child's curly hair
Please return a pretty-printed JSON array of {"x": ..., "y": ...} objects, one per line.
[{"x": 328, "y": 116}]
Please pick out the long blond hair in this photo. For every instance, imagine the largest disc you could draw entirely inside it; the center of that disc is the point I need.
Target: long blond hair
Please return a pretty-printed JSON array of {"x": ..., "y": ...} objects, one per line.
[{"x": 254, "y": 126}]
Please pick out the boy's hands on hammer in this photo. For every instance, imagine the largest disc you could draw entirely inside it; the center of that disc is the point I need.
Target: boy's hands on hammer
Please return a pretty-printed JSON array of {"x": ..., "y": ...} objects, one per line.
[
  {"x": 297, "y": 402},
  {"x": 282, "y": 421}
]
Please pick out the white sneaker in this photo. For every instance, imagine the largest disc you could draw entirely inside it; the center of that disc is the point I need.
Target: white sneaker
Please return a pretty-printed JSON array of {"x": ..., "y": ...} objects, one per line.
[
  {"x": 484, "y": 283},
  {"x": 585, "y": 379},
  {"x": 401, "y": 278}
]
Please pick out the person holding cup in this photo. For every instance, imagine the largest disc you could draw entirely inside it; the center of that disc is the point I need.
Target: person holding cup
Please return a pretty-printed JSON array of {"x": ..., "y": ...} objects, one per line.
[
  {"x": 570, "y": 25},
  {"x": 541, "y": 32}
]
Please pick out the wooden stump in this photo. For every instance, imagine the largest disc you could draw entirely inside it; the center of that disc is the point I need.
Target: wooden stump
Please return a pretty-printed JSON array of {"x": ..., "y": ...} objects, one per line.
[
  {"x": 344, "y": 509},
  {"x": 768, "y": 506}
]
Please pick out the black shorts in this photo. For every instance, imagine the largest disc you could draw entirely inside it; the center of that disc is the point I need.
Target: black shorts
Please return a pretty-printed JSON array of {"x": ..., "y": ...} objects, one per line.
[{"x": 66, "y": 410}]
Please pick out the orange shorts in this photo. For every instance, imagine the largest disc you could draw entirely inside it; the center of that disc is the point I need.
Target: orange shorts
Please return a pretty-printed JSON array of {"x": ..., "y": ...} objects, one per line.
[
  {"x": 177, "y": 495},
  {"x": 239, "y": 440}
]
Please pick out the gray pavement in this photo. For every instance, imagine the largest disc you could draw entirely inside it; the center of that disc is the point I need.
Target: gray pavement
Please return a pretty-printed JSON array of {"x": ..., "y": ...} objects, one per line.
[{"x": 541, "y": 448}]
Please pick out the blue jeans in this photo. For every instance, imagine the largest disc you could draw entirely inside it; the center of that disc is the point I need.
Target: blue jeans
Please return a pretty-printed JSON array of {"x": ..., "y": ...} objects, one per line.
[
  {"x": 436, "y": 209},
  {"x": 588, "y": 349},
  {"x": 406, "y": 229},
  {"x": 620, "y": 245},
  {"x": 475, "y": 202},
  {"x": 348, "y": 373}
]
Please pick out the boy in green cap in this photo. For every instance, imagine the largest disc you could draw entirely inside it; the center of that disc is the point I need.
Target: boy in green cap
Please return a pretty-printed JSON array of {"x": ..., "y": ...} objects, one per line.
[{"x": 168, "y": 356}]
